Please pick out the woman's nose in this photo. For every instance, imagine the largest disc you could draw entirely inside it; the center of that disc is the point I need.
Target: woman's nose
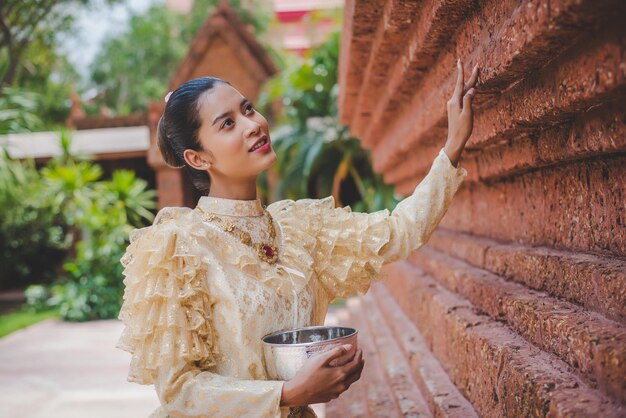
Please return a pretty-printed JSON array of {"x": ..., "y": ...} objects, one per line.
[{"x": 253, "y": 128}]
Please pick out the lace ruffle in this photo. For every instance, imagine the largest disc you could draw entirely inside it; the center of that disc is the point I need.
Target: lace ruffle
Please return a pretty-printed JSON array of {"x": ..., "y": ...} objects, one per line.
[
  {"x": 166, "y": 309},
  {"x": 229, "y": 250},
  {"x": 344, "y": 244},
  {"x": 347, "y": 254}
]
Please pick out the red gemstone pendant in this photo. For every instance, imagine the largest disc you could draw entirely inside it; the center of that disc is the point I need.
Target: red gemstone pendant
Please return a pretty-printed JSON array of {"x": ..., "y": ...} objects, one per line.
[{"x": 268, "y": 251}]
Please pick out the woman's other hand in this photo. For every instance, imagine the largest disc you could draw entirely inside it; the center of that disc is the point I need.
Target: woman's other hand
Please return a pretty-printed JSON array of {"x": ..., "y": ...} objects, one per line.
[
  {"x": 460, "y": 114},
  {"x": 318, "y": 382}
]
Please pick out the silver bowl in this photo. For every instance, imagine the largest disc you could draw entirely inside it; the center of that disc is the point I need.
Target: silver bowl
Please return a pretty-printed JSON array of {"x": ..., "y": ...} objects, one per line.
[{"x": 286, "y": 352}]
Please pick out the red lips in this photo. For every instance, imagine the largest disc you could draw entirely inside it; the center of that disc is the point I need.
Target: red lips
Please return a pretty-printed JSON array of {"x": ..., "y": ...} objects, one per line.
[{"x": 259, "y": 143}]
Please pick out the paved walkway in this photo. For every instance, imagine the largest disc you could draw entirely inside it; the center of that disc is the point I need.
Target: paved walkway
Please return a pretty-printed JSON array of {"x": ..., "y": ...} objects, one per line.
[{"x": 57, "y": 369}]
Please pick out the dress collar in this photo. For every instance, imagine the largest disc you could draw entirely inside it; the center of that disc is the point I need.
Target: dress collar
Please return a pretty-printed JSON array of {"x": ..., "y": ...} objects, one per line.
[{"x": 231, "y": 207}]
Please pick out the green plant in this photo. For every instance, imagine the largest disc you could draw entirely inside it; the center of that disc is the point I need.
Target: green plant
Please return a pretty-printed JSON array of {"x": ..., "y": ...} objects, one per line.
[
  {"x": 32, "y": 233},
  {"x": 38, "y": 298},
  {"x": 95, "y": 215},
  {"x": 18, "y": 111},
  {"x": 94, "y": 287},
  {"x": 317, "y": 155}
]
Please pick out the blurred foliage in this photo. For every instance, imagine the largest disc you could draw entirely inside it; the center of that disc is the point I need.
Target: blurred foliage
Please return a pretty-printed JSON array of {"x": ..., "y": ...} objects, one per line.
[
  {"x": 135, "y": 66},
  {"x": 94, "y": 287},
  {"x": 18, "y": 111},
  {"x": 132, "y": 67},
  {"x": 32, "y": 234},
  {"x": 67, "y": 213},
  {"x": 317, "y": 156},
  {"x": 30, "y": 60}
]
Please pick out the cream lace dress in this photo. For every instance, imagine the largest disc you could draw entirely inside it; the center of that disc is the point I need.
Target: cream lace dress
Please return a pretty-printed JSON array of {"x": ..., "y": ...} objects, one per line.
[{"x": 198, "y": 301}]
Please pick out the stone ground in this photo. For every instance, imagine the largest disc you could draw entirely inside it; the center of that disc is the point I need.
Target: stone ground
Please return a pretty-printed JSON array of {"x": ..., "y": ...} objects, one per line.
[{"x": 57, "y": 369}]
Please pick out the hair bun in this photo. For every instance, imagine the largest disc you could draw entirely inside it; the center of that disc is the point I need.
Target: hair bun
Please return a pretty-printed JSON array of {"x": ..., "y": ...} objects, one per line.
[{"x": 165, "y": 147}]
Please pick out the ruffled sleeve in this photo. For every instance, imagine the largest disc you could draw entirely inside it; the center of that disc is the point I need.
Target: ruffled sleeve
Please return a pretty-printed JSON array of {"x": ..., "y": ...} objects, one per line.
[
  {"x": 166, "y": 301},
  {"x": 352, "y": 247},
  {"x": 168, "y": 326}
]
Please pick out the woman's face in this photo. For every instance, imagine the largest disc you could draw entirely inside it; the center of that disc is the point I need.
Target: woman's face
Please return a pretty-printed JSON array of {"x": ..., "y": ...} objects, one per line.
[{"x": 234, "y": 136}]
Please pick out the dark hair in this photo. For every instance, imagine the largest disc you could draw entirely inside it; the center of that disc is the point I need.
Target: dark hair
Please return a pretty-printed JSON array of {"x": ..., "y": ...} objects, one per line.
[{"x": 179, "y": 124}]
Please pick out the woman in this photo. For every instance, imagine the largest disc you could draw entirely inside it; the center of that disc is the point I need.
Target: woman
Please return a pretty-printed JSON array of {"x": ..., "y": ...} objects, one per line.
[{"x": 204, "y": 285}]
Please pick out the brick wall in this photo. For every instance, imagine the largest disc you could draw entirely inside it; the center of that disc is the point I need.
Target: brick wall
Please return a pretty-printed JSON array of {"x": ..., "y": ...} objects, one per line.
[{"x": 517, "y": 304}]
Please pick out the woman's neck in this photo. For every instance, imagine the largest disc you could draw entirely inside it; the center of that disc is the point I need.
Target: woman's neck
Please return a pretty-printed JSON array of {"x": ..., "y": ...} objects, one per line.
[{"x": 238, "y": 190}]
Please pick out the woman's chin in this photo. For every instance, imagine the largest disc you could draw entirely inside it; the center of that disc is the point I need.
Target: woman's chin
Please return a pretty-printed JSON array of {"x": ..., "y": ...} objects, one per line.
[{"x": 266, "y": 163}]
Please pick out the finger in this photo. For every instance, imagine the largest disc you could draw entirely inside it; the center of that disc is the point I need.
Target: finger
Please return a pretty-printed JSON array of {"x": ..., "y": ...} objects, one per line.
[
  {"x": 355, "y": 363},
  {"x": 335, "y": 353},
  {"x": 456, "y": 96},
  {"x": 467, "y": 100},
  {"x": 472, "y": 81},
  {"x": 355, "y": 375}
]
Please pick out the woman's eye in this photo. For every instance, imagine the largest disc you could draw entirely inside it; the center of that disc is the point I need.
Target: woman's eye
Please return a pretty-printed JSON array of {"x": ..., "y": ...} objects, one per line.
[{"x": 247, "y": 110}]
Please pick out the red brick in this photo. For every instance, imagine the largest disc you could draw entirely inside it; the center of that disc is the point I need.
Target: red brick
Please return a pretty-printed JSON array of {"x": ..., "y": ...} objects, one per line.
[
  {"x": 397, "y": 370},
  {"x": 499, "y": 372},
  {"x": 379, "y": 397},
  {"x": 390, "y": 39},
  {"x": 360, "y": 19},
  {"x": 599, "y": 131},
  {"x": 443, "y": 397},
  {"x": 402, "y": 20},
  {"x": 577, "y": 206},
  {"x": 427, "y": 110},
  {"x": 587, "y": 341},
  {"x": 575, "y": 83},
  {"x": 542, "y": 205},
  {"x": 597, "y": 283}
]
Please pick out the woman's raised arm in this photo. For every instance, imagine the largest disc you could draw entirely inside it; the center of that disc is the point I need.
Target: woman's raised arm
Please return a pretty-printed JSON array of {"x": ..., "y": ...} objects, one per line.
[{"x": 352, "y": 247}]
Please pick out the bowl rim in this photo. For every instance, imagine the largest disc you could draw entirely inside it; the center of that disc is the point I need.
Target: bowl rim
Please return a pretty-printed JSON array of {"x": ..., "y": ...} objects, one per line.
[{"x": 352, "y": 334}]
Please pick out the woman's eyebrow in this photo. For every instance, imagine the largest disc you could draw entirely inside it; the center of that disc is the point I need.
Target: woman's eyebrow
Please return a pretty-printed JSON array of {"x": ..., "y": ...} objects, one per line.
[{"x": 223, "y": 115}]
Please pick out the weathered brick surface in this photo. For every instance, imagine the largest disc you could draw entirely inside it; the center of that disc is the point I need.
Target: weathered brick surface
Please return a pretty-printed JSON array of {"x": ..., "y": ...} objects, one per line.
[
  {"x": 560, "y": 90},
  {"x": 524, "y": 305},
  {"x": 509, "y": 39},
  {"x": 397, "y": 370},
  {"x": 599, "y": 131},
  {"x": 360, "y": 19},
  {"x": 379, "y": 397},
  {"x": 577, "y": 207},
  {"x": 432, "y": 23},
  {"x": 596, "y": 283},
  {"x": 495, "y": 369},
  {"x": 443, "y": 397},
  {"x": 390, "y": 39},
  {"x": 586, "y": 341}
]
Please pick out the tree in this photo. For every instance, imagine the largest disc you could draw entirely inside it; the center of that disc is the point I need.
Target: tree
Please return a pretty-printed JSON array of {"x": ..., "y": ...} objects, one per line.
[
  {"x": 31, "y": 62},
  {"x": 24, "y": 23},
  {"x": 134, "y": 67}
]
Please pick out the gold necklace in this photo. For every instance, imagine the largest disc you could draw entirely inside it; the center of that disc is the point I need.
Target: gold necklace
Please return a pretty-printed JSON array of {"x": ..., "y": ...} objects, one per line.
[{"x": 266, "y": 252}]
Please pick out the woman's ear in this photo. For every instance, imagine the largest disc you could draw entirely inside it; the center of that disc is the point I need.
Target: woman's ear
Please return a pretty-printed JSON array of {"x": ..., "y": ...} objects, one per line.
[{"x": 197, "y": 160}]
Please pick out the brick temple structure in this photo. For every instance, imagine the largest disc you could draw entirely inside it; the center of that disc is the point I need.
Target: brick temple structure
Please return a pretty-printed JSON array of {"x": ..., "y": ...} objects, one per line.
[{"x": 516, "y": 306}]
